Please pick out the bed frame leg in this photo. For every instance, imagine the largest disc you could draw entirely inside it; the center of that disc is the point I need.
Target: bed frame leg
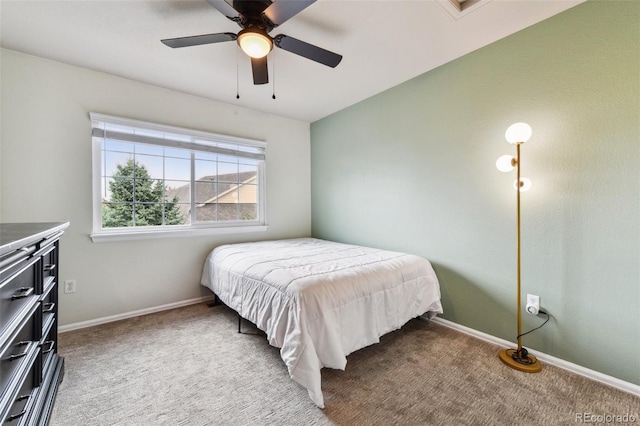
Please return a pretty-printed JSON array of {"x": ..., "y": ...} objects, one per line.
[
  {"x": 214, "y": 302},
  {"x": 239, "y": 324}
]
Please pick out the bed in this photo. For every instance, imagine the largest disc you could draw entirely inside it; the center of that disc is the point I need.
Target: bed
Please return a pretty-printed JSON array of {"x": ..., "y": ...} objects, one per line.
[{"x": 318, "y": 301}]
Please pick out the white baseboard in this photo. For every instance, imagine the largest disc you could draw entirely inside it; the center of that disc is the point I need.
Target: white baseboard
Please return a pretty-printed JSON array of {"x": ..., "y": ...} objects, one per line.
[
  {"x": 549, "y": 359},
  {"x": 118, "y": 317}
]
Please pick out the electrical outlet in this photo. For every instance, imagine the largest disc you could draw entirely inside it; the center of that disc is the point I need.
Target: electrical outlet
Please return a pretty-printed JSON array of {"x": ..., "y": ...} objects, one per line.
[
  {"x": 69, "y": 286},
  {"x": 533, "y": 304}
]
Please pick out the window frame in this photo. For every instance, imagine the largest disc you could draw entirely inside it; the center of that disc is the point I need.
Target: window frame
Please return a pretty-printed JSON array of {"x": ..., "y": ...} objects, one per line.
[{"x": 100, "y": 234}]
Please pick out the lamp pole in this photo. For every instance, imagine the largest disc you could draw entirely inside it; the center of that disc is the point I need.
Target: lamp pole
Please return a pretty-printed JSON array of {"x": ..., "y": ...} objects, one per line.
[
  {"x": 519, "y": 358},
  {"x": 519, "y": 312}
]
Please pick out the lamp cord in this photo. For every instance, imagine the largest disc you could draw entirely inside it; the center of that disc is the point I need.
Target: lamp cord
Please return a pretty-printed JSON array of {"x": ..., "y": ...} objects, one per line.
[
  {"x": 521, "y": 355},
  {"x": 532, "y": 330}
]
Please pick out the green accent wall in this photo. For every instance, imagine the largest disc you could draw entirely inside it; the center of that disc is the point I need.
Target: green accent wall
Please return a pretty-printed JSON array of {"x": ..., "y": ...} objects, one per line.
[{"x": 413, "y": 169}]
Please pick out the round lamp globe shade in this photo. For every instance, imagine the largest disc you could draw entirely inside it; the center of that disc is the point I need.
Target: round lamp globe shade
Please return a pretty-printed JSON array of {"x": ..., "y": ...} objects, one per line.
[
  {"x": 255, "y": 44},
  {"x": 506, "y": 163},
  {"x": 518, "y": 133},
  {"x": 525, "y": 184}
]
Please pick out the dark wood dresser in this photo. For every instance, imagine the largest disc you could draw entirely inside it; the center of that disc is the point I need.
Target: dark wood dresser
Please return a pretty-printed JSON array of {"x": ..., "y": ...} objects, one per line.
[{"x": 30, "y": 367}]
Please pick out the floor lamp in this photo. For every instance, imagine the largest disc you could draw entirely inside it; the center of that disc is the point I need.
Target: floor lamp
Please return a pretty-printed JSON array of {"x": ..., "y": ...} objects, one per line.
[{"x": 517, "y": 134}]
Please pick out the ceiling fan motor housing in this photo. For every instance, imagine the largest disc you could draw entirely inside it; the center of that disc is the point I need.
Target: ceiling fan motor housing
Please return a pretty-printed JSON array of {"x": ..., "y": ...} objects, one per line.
[{"x": 252, "y": 14}]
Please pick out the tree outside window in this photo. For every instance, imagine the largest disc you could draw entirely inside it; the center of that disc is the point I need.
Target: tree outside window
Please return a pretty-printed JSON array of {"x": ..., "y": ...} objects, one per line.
[{"x": 138, "y": 200}]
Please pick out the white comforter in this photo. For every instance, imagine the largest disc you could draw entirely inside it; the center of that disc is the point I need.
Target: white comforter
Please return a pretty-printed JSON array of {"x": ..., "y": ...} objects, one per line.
[{"x": 319, "y": 301}]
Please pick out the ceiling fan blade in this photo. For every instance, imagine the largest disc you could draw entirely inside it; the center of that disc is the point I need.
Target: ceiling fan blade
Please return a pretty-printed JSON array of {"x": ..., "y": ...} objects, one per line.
[
  {"x": 199, "y": 39},
  {"x": 260, "y": 70},
  {"x": 307, "y": 50},
  {"x": 226, "y": 9},
  {"x": 282, "y": 10}
]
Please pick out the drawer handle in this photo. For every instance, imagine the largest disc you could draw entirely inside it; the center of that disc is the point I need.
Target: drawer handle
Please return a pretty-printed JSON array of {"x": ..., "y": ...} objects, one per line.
[
  {"x": 48, "y": 308},
  {"x": 22, "y": 293},
  {"x": 51, "y": 344},
  {"x": 20, "y": 355},
  {"x": 49, "y": 267},
  {"x": 23, "y": 412}
]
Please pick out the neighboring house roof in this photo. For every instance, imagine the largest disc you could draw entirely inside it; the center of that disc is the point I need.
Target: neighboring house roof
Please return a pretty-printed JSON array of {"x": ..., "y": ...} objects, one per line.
[
  {"x": 243, "y": 192},
  {"x": 228, "y": 188}
]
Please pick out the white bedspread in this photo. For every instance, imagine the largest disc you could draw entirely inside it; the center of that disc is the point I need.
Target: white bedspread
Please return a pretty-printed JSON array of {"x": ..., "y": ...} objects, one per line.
[{"x": 318, "y": 300}]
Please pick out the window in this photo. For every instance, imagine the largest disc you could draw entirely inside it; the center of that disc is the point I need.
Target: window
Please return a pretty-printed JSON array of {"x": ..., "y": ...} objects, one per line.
[{"x": 150, "y": 180}]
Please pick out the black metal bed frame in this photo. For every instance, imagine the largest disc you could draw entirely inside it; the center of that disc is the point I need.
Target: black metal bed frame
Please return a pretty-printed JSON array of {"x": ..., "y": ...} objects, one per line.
[{"x": 216, "y": 302}]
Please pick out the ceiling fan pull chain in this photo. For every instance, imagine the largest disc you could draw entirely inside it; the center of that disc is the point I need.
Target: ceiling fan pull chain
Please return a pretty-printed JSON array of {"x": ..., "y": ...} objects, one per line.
[
  {"x": 273, "y": 71},
  {"x": 237, "y": 76}
]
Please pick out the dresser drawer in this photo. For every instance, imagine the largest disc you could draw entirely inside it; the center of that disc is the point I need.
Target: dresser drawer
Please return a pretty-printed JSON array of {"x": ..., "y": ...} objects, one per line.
[
  {"x": 48, "y": 315},
  {"x": 22, "y": 403},
  {"x": 49, "y": 263},
  {"x": 18, "y": 350},
  {"x": 48, "y": 348},
  {"x": 48, "y": 307},
  {"x": 17, "y": 294}
]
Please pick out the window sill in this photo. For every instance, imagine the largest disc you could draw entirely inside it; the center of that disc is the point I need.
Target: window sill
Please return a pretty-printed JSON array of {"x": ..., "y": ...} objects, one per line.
[{"x": 155, "y": 234}]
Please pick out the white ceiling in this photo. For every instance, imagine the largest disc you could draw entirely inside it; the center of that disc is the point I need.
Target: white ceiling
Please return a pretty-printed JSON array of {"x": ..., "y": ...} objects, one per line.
[{"x": 384, "y": 43}]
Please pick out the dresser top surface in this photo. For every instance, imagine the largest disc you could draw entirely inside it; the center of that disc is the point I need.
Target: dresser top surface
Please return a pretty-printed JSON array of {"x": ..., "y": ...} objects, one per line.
[{"x": 16, "y": 235}]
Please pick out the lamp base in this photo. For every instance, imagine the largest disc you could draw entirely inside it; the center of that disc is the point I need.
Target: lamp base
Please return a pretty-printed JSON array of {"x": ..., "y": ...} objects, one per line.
[{"x": 528, "y": 363}]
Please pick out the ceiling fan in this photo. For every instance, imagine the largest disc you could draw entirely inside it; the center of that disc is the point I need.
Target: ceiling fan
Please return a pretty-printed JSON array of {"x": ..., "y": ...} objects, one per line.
[{"x": 257, "y": 19}]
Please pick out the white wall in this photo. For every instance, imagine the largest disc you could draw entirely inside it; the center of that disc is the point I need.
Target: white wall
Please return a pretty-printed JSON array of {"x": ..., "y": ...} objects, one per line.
[{"x": 45, "y": 176}]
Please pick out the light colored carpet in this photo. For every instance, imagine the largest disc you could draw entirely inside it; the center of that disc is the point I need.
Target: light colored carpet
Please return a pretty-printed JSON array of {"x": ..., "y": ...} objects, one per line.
[{"x": 189, "y": 366}]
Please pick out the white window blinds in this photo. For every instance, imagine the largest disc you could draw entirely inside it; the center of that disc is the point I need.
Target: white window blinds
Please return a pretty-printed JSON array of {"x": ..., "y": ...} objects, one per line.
[{"x": 127, "y": 130}]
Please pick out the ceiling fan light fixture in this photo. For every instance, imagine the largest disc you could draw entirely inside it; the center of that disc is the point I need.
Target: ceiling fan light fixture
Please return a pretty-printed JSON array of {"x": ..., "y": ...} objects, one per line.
[{"x": 255, "y": 43}]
